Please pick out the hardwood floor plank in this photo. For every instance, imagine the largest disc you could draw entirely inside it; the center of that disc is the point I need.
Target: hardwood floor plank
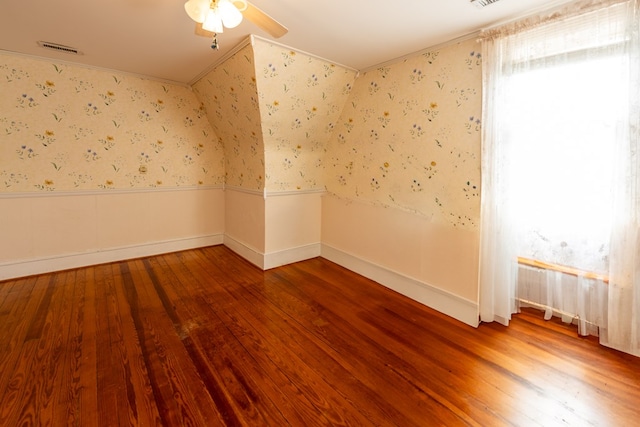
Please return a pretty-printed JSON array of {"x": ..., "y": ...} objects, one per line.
[
  {"x": 149, "y": 388},
  {"x": 182, "y": 385},
  {"x": 16, "y": 401},
  {"x": 366, "y": 356},
  {"x": 276, "y": 355},
  {"x": 365, "y": 386},
  {"x": 107, "y": 365},
  {"x": 187, "y": 317},
  {"x": 367, "y": 353},
  {"x": 9, "y": 292},
  {"x": 222, "y": 347},
  {"x": 16, "y": 354},
  {"x": 617, "y": 380},
  {"x": 203, "y": 338},
  {"x": 14, "y": 322},
  {"x": 322, "y": 358},
  {"x": 42, "y": 370},
  {"x": 79, "y": 394}
]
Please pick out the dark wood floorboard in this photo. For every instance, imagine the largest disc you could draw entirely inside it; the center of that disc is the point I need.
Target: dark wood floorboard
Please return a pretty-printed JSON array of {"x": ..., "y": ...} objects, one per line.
[{"x": 203, "y": 338}]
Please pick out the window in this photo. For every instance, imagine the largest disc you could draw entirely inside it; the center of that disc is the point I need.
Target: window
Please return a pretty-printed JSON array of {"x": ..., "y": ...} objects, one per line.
[
  {"x": 562, "y": 122},
  {"x": 561, "y": 164}
]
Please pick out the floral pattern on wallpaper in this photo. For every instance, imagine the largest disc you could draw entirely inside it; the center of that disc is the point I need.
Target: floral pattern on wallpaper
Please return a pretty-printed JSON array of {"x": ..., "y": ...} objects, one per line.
[
  {"x": 230, "y": 96},
  {"x": 67, "y": 128},
  {"x": 409, "y": 137},
  {"x": 301, "y": 98}
]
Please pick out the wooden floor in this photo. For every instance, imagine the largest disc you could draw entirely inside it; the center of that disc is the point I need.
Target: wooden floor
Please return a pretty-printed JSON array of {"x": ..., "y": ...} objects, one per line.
[{"x": 202, "y": 338}]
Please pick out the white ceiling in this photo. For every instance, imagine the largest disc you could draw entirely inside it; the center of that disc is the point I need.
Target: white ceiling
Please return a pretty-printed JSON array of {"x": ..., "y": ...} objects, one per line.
[{"x": 155, "y": 38}]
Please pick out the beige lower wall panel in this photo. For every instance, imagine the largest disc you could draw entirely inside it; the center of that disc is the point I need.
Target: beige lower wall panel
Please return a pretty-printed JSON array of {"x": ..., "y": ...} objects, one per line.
[
  {"x": 435, "y": 254},
  {"x": 450, "y": 258},
  {"x": 63, "y": 225},
  {"x": 245, "y": 218},
  {"x": 122, "y": 219},
  {"x": 187, "y": 214},
  {"x": 292, "y": 221},
  {"x": 48, "y": 226},
  {"x": 128, "y": 219},
  {"x": 16, "y": 231}
]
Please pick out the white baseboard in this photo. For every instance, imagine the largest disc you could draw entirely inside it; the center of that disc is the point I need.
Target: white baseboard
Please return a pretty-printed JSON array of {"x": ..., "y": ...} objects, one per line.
[
  {"x": 289, "y": 256},
  {"x": 252, "y": 255},
  {"x": 30, "y": 267},
  {"x": 445, "y": 302},
  {"x": 272, "y": 259},
  {"x": 452, "y": 305}
]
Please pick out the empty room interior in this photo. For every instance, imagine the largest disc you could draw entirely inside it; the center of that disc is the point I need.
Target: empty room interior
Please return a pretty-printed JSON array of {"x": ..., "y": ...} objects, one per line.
[{"x": 277, "y": 212}]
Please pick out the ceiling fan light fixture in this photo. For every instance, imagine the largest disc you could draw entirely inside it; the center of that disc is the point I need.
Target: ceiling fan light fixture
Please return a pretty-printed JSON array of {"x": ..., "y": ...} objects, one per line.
[
  {"x": 213, "y": 21},
  {"x": 197, "y": 9},
  {"x": 211, "y": 16},
  {"x": 231, "y": 16}
]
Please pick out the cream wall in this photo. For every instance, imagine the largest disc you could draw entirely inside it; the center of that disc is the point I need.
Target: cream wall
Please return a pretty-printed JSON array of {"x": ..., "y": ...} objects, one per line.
[
  {"x": 280, "y": 155},
  {"x": 274, "y": 110},
  {"x": 301, "y": 98},
  {"x": 403, "y": 179},
  {"x": 245, "y": 224},
  {"x": 409, "y": 137},
  {"x": 229, "y": 95},
  {"x": 274, "y": 229},
  {"x": 293, "y": 222},
  {"x": 48, "y": 232},
  {"x": 97, "y": 166},
  {"x": 69, "y": 128},
  {"x": 427, "y": 262}
]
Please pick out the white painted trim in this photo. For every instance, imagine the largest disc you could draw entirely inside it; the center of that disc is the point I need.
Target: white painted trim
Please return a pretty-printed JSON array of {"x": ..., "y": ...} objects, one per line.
[
  {"x": 244, "y": 190},
  {"x": 289, "y": 256},
  {"x": 237, "y": 48},
  {"x": 273, "y": 259},
  {"x": 252, "y": 255},
  {"x": 284, "y": 46},
  {"x": 294, "y": 192},
  {"x": 264, "y": 193},
  {"x": 445, "y": 302},
  {"x": 41, "y": 194},
  {"x": 30, "y": 267}
]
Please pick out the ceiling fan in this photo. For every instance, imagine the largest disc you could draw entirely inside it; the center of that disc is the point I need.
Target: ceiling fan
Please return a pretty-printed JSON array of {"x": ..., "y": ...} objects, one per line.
[{"x": 212, "y": 16}]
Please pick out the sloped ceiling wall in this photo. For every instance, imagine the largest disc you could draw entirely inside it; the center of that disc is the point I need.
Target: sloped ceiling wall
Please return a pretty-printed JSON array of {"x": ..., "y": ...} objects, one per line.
[
  {"x": 230, "y": 96},
  {"x": 301, "y": 98},
  {"x": 274, "y": 110},
  {"x": 404, "y": 136}
]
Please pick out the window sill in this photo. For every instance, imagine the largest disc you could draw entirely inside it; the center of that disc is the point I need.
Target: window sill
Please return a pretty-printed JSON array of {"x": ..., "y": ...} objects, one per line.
[{"x": 563, "y": 269}]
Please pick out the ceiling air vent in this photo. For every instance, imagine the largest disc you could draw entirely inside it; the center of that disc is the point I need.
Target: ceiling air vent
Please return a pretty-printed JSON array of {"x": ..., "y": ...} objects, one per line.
[
  {"x": 59, "y": 47},
  {"x": 482, "y": 3}
]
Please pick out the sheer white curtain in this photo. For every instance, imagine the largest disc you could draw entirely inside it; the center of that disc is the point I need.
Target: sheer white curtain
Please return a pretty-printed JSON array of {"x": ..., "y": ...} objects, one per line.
[{"x": 560, "y": 167}]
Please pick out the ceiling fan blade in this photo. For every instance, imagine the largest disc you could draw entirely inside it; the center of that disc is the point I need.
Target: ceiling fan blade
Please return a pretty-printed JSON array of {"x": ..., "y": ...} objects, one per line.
[
  {"x": 202, "y": 32},
  {"x": 264, "y": 21}
]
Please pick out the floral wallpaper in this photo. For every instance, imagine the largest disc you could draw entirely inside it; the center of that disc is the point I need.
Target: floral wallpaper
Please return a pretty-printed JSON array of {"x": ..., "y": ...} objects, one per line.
[
  {"x": 301, "y": 98},
  {"x": 409, "y": 137},
  {"x": 230, "y": 96},
  {"x": 67, "y": 128},
  {"x": 274, "y": 110},
  {"x": 404, "y": 136}
]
